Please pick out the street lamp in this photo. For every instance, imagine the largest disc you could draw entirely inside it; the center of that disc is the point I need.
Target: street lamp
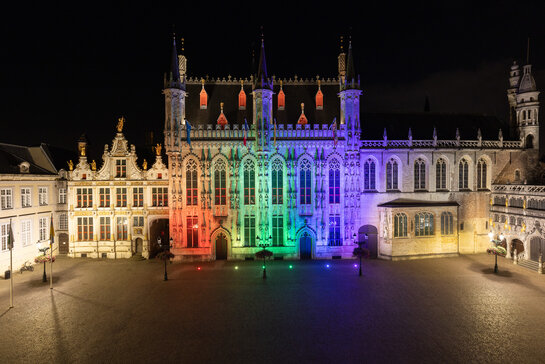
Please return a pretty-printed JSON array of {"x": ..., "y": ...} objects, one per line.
[
  {"x": 496, "y": 242},
  {"x": 263, "y": 245},
  {"x": 43, "y": 248},
  {"x": 360, "y": 246},
  {"x": 164, "y": 255}
]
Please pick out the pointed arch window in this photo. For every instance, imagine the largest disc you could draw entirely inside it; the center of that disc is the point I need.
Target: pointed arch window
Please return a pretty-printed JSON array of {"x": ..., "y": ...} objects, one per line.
[
  {"x": 441, "y": 174},
  {"x": 192, "y": 232},
  {"x": 334, "y": 238},
  {"x": 419, "y": 174},
  {"x": 305, "y": 178},
  {"x": 423, "y": 224},
  {"x": 277, "y": 230},
  {"x": 463, "y": 170},
  {"x": 400, "y": 225},
  {"x": 447, "y": 226},
  {"x": 482, "y": 177},
  {"x": 334, "y": 181},
  {"x": 191, "y": 183},
  {"x": 220, "y": 195},
  {"x": 249, "y": 183},
  {"x": 249, "y": 230},
  {"x": 277, "y": 182},
  {"x": 391, "y": 175},
  {"x": 369, "y": 175}
]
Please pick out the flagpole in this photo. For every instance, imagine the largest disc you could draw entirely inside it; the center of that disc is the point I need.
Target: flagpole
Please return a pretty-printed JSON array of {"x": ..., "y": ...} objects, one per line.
[
  {"x": 10, "y": 266},
  {"x": 51, "y": 237}
]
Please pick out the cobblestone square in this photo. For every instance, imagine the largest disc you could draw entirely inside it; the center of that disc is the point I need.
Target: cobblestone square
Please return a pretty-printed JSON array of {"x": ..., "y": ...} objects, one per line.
[{"x": 432, "y": 310}]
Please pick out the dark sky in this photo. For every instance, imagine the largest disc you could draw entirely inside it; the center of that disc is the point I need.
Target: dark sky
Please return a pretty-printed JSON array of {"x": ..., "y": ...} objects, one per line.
[{"x": 68, "y": 69}]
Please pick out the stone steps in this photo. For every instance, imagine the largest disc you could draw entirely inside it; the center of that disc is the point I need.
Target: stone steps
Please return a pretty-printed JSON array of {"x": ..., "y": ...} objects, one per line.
[
  {"x": 528, "y": 264},
  {"x": 138, "y": 257}
]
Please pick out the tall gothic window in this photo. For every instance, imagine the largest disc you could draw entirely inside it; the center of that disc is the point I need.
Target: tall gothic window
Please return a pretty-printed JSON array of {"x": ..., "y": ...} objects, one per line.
[
  {"x": 249, "y": 230},
  {"x": 191, "y": 180},
  {"x": 192, "y": 232},
  {"x": 277, "y": 183},
  {"x": 334, "y": 181},
  {"x": 441, "y": 174},
  {"x": 447, "y": 226},
  {"x": 481, "y": 174},
  {"x": 400, "y": 225},
  {"x": 249, "y": 183},
  {"x": 391, "y": 175},
  {"x": 369, "y": 175},
  {"x": 423, "y": 224},
  {"x": 305, "y": 178},
  {"x": 219, "y": 183},
  {"x": 419, "y": 174},
  {"x": 335, "y": 231},
  {"x": 277, "y": 230},
  {"x": 462, "y": 174}
]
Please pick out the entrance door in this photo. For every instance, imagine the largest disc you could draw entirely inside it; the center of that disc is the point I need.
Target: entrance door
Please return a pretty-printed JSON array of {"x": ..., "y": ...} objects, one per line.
[
  {"x": 63, "y": 243},
  {"x": 305, "y": 246},
  {"x": 159, "y": 231},
  {"x": 537, "y": 247},
  {"x": 371, "y": 241},
  {"x": 138, "y": 246},
  {"x": 221, "y": 247}
]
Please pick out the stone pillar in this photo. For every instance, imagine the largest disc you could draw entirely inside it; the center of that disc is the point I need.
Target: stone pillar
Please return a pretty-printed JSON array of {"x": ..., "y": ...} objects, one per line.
[
  {"x": 540, "y": 265},
  {"x": 508, "y": 255},
  {"x": 515, "y": 257}
]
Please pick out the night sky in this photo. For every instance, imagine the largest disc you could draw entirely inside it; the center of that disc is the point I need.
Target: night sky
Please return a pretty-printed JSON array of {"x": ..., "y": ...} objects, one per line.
[{"x": 67, "y": 70}]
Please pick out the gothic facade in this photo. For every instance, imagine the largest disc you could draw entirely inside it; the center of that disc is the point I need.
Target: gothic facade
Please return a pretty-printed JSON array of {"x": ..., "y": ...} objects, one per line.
[{"x": 295, "y": 165}]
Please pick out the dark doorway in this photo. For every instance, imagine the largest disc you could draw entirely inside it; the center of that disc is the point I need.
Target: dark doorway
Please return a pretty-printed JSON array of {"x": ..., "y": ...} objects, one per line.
[
  {"x": 530, "y": 141},
  {"x": 138, "y": 246},
  {"x": 158, "y": 230},
  {"x": 518, "y": 245},
  {"x": 63, "y": 243},
  {"x": 371, "y": 241},
  {"x": 305, "y": 246},
  {"x": 221, "y": 247},
  {"x": 537, "y": 247}
]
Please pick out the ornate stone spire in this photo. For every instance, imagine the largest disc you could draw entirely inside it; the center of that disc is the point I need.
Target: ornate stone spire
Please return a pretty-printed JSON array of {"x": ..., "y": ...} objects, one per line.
[{"x": 262, "y": 80}]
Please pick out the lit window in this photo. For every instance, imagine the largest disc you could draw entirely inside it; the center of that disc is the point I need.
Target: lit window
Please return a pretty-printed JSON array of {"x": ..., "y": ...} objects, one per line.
[
  {"x": 85, "y": 228},
  {"x": 192, "y": 232},
  {"x": 104, "y": 197},
  {"x": 191, "y": 183},
  {"x": 423, "y": 224},
  {"x": 277, "y": 230},
  {"x": 400, "y": 225},
  {"x": 334, "y": 181},
  {"x": 121, "y": 197},
  {"x": 249, "y": 183},
  {"x": 120, "y": 168},
  {"x": 447, "y": 226},
  {"x": 220, "y": 197},
  {"x": 159, "y": 196},
  {"x": 249, "y": 231},
  {"x": 334, "y": 238},
  {"x": 84, "y": 197},
  {"x": 138, "y": 196},
  {"x": 121, "y": 230},
  {"x": 277, "y": 183},
  {"x": 305, "y": 178}
]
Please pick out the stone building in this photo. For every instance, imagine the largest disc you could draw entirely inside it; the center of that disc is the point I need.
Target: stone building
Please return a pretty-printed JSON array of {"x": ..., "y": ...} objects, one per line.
[
  {"x": 295, "y": 164},
  {"x": 119, "y": 209},
  {"x": 32, "y": 194}
]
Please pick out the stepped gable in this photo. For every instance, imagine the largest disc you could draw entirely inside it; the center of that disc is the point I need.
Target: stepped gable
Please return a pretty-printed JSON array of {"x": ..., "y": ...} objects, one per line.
[
  {"x": 397, "y": 126},
  {"x": 226, "y": 90}
]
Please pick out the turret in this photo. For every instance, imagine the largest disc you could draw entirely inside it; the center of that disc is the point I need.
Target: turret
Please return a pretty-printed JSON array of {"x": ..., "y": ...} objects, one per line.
[
  {"x": 350, "y": 102},
  {"x": 174, "y": 91},
  {"x": 262, "y": 102},
  {"x": 514, "y": 79},
  {"x": 527, "y": 109}
]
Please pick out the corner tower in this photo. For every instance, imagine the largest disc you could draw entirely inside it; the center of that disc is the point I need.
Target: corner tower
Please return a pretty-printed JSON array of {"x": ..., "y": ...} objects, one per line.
[
  {"x": 350, "y": 102},
  {"x": 527, "y": 109}
]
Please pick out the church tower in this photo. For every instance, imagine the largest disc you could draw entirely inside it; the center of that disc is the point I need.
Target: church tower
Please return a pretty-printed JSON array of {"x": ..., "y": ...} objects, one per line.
[
  {"x": 527, "y": 109},
  {"x": 350, "y": 101},
  {"x": 175, "y": 94},
  {"x": 262, "y": 99},
  {"x": 514, "y": 79}
]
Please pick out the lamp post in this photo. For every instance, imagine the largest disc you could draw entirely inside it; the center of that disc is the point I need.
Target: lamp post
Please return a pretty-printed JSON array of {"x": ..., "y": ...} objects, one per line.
[
  {"x": 496, "y": 242},
  {"x": 263, "y": 245},
  {"x": 164, "y": 248},
  {"x": 43, "y": 249},
  {"x": 360, "y": 246}
]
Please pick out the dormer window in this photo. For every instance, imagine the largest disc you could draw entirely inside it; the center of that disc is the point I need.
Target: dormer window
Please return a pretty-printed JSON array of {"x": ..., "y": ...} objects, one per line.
[
  {"x": 203, "y": 97},
  {"x": 281, "y": 98},
  {"x": 121, "y": 168},
  {"x": 319, "y": 98},
  {"x": 242, "y": 97}
]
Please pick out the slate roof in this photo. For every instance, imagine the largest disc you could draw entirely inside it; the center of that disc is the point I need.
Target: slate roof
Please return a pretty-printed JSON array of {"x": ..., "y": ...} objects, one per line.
[
  {"x": 11, "y": 156},
  {"x": 405, "y": 202}
]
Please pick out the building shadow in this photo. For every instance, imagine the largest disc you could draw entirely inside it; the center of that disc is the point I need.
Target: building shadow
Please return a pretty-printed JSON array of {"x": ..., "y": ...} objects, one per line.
[
  {"x": 85, "y": 300},
  {"x": 5, "y": 312},
  {"x": 59, "y": 340}
]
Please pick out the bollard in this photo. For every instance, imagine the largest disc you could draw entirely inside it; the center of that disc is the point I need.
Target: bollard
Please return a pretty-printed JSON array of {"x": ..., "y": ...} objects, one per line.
[
  {"x": 540, "y": 265},
  {"x": 515, "y": 257}
]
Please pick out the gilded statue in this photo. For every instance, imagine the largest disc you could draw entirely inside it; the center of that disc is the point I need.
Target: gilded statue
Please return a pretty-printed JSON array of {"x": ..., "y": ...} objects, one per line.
[
  {"x": 158, "y": 149},
  {"x": 82, "y": 150},
  {"x": 70, "y": 165},
  {"x": 120, "y": 123},
  {"x": 94, "y": 165},
  {"x": 145, "y": 165}
]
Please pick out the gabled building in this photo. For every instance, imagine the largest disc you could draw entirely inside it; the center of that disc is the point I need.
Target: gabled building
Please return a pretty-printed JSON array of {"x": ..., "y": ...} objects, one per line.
[{"x": 119, "y": 209}]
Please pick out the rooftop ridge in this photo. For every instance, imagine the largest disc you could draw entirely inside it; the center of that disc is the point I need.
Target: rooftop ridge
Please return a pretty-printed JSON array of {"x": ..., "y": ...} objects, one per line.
[{"x": 229, "y": 80}]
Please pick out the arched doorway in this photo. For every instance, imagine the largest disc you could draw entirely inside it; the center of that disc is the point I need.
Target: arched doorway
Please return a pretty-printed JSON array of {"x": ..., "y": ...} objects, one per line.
[
  {"x": 221, "y": 246},
  {"x": 305, "y": 246},
  {"x": 138, "y": 246},
  {"x": 63, "y": 243},
  {"x": 537, "y": 248},
  {"x": 530, "y": 141},
  {"x": 158, "y": 230},
  {"x": 372, "y": 239},
  {"x": 517, "y": 245}
]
